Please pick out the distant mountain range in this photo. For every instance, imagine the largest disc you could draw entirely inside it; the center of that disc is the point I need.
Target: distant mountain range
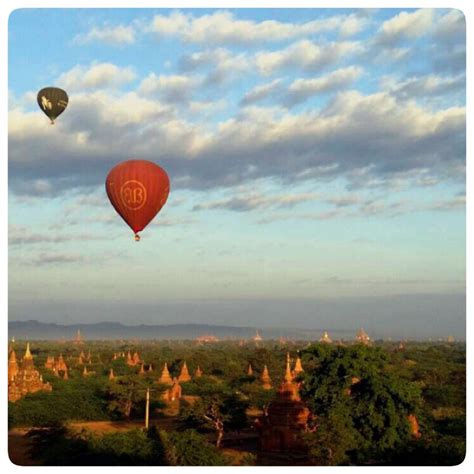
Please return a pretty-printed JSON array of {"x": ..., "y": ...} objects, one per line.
[{"x": 111, "y": 330}]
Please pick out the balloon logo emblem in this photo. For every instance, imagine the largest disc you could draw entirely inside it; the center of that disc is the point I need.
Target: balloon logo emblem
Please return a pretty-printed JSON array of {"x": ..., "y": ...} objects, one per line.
[{"x": 133, "y": 194}]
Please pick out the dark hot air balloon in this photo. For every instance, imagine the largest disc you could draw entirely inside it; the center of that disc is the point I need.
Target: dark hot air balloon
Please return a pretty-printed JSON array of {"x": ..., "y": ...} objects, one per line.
[
  {"x": 137, "y": 189},
  {"x": 52, "y": 101}
]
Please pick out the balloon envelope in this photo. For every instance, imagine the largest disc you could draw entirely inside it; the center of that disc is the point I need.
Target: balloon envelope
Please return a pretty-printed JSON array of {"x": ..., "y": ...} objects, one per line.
[
  {"x": 52, "y": 101},
  {"x": 137, "y": 189}
]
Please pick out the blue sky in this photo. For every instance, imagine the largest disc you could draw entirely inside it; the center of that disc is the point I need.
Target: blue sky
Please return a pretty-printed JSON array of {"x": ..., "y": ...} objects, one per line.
[{"x": 314, "y": 155}]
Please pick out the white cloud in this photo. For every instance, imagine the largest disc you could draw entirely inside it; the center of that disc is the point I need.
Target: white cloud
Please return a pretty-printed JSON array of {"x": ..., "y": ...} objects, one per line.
[
  {"x": 300, "y": 89},
  {"x": 222, "y": 28},
  {"x": 424, "y": 86},
  {"x": 366, "y": 139},
  {"x": 451, "y": 26},
  {"x": 172, "y": 88},
  {"x": 304, "y": 54},
  {"x": 406, "y": 26},
  {"x": 257, "y": 201},
  {"x": 114, "y": 35},
  {"x": 262, "y": 91},
  {"x": 95, "y": 76}
]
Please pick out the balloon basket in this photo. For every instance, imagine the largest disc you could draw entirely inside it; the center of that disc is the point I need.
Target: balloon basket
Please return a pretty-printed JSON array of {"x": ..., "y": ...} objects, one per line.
[{"x": 137, "y": 238}]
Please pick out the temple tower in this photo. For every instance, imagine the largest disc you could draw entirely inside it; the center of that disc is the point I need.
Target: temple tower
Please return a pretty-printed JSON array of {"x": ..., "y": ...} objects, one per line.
[
  {"x": 111, "y": 374},
  {"x": 49, "y": 364},
  {"x": 286, "y": 419},
  {"x": 250, "y": 370},
  {"x": 362, "y": 337},
  {"x": 165, "y": 376},
  {"x": 184, "y": 374},
  {"x": 198, "y": 372},
  {"x": 61, "y": 364},
  {"x": 325, "y": 338},
  {"x": 78, "y": 340},
  {"x": 265, "y": 379},
  {"x": 298, "y": 367},
  {"x": 12, "y": 366},
  {"x": 136, "y": 358}
]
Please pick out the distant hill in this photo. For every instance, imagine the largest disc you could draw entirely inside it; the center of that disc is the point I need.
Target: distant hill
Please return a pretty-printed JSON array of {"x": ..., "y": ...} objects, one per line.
[{"x": 111, "y": 330}]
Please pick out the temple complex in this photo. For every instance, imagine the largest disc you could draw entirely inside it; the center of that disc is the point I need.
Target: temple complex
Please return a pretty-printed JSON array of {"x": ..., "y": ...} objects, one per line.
[
  {"x": 184, "y": 374},
  {"x": 362, "y": 337},
  {"x": 286, "y": 419},
  {"x": 56, "y": 365},
  {"x": 325, "y": 338},
  {"x": 25, "y": 378},
  {"x": 198, "y": 372},
  {"x": 257, "y": 337},
  {"x": 265, "y": 378},
  {"x": 165, "y": 376}
]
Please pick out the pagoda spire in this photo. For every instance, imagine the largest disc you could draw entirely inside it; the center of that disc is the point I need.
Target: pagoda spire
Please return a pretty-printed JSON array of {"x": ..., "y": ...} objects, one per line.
[
  {"x": 165, "y": 376},
  {"x": 298, "y": 366},
  {"x": 265, "y": 378},
  {"x": 184, "y": 374},
  {"x": 288, "y": 376},
  {"x": 27, "y": 352},
  {"x": 250, "y": 370},
  {"x": 12, "y": 365},
  {"x": 111, "y": 374}
]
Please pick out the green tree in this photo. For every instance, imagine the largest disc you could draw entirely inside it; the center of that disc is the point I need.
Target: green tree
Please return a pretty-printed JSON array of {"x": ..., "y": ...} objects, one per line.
[
  {"x": 125, "y": 393},
  {"x": 352, "y": 391},
  {"x": 217, "y": 411},
  {"x": 189, "y": 448}
]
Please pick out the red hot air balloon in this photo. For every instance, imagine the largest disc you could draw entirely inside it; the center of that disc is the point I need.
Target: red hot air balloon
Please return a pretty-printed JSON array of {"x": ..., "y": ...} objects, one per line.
[{"x": 137, "y": 189}]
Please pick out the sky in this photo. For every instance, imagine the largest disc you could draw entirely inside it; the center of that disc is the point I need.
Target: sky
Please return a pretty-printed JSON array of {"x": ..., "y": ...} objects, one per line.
[{"x": 317, "y": 162}]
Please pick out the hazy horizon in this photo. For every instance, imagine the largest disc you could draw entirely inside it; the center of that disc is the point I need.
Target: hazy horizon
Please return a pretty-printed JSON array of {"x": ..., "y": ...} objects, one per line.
[{"x": 437, "y": 315}]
